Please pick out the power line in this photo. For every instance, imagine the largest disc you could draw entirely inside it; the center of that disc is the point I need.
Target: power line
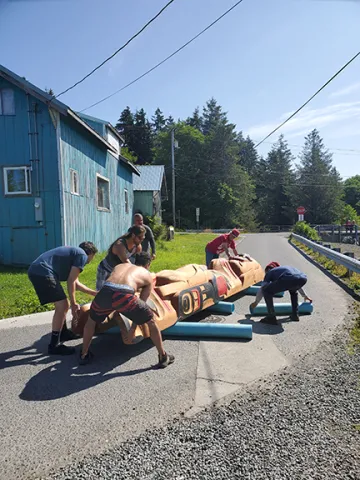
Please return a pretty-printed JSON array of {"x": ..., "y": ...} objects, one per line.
[
  {"x": 118, "y": 50},
  {"x": 308, "y": 101},
  {"x": 353, "y": 151},
  {"x": 165, "y": 59}
]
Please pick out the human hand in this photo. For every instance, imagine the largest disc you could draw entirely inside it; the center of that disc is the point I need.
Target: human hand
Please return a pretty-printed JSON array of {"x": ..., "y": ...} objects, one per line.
[
  {"x": 308, "y": 299},
  {"x": 153, "y": 256},
  {"x": 75, "y": 308},
  {"x": 253, "y": 305}
]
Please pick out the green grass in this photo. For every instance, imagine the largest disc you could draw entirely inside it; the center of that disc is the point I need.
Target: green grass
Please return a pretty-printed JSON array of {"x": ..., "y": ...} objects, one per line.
[
  {"x": 17, "y": 296},
  {"x": 353, "y": 282}
]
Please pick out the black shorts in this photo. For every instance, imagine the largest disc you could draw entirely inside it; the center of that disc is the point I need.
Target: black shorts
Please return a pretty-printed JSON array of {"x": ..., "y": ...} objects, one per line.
[
  {"x": 48, "y": 289},
  {"x": 122, "y": 299}
]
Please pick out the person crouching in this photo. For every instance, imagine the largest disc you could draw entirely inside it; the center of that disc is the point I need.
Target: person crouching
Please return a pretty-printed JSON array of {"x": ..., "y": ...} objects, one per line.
[{"x": 280, "y": 279}]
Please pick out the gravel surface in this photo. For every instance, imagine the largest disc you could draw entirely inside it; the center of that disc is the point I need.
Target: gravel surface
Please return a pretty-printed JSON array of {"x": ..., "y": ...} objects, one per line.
[{"x": 297, "y": 424}]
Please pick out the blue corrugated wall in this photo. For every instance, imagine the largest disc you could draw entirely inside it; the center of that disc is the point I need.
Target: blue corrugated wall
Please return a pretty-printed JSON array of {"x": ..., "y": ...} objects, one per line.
[
  {"x": 83, "y": 220},
  {"x": 22, "y": 238}
]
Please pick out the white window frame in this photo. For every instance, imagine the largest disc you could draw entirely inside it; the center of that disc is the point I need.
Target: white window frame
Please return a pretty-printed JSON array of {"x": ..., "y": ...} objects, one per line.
[
  {"x": 103, "y": 209},
  {"x": 126, "y": 199},
  {"x": 27, "y": 171},
  {"x": 113, "y": 140},
  {"x": 74, "y": 174},
  {"x": 2, "y": 113}
]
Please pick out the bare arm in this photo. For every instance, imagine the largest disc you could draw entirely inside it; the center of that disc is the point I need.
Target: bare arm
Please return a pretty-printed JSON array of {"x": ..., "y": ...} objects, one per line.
[
  {"x": 147, "y": 288},
  {"x": 71, "y": 286},
  {"x": 83, "y": 288},
  {"x": 120, "y": 250}
]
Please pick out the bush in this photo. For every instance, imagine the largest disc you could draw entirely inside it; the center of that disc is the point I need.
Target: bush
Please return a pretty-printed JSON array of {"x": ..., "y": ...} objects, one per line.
[
  {"x": 158, "y": 228},
  {"x": 304, "y": 229}
]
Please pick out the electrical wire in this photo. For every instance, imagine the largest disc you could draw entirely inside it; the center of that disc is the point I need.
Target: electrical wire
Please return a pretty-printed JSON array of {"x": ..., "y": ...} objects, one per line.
[
  {"x": 309, "y": 100},
  {"x": 118, "y": 50},
  {"x": 165, "y": 59}
]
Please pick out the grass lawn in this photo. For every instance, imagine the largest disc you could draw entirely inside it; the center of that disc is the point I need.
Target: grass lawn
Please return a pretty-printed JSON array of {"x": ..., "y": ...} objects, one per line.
[{"x": 17, "y": 296}]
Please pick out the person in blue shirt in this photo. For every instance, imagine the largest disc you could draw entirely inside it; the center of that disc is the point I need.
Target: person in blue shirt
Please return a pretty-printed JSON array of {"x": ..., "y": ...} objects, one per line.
[
  {"x": 279, "y": 279},
  {"x": 46, "y": 272}
]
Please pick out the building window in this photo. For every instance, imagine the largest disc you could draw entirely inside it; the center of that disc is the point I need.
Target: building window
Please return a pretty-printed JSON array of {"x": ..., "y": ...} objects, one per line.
[
  {"x": 17, "y": 180},
  {"x": 7, "y": 102},
  {"x": 113, "y": 140},
  {"x": 103, "y": 193},
  {"x": 74, "y": 182},
  {"x": 126, "y": 201}
]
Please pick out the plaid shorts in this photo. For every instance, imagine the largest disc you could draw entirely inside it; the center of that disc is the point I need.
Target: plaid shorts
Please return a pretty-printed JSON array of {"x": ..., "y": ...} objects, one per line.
[{"x": 122, "y": 299}]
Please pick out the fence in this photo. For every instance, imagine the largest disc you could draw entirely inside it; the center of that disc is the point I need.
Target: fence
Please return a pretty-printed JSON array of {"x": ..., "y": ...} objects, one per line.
[{"x": 351, "y": 264}]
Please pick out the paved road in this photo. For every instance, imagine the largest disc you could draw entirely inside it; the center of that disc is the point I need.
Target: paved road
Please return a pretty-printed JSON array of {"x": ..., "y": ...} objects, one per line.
[{"x": 54, "y": 413}]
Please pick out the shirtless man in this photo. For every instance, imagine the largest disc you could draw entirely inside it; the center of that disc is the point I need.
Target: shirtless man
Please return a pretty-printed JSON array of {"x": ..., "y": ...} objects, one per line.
[{"x": 118, "y": 294}]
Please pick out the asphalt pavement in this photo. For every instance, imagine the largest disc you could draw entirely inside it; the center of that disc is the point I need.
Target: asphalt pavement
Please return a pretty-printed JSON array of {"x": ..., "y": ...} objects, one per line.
[{"x": 54, "y": 413}]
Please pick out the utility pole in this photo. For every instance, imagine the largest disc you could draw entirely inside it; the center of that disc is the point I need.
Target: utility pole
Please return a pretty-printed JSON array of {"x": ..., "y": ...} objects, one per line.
[{"x": 173, "y": 174}]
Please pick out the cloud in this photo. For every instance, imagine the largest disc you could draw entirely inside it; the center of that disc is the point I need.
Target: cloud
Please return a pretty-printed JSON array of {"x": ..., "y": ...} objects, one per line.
[
  {"x": 346, "y": 91},
  {"x": 341, "y": 116}
]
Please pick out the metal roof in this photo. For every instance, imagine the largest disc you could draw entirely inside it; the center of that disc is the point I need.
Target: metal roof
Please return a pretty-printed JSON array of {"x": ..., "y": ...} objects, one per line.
[
  {"x": 151, "y": 178},
  {"x": 49, "y": 101}
]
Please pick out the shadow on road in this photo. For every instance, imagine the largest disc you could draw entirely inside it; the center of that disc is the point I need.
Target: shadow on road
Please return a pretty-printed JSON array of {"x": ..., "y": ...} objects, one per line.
[
  {"x": 62, "y": 376},
  {"x": 263, "y": 328}
]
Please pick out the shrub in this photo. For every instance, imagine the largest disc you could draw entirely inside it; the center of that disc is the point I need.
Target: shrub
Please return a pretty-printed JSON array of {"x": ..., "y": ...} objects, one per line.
[
  {"x": 158, "y": 228},
  {"x": 304, "y": 229}
]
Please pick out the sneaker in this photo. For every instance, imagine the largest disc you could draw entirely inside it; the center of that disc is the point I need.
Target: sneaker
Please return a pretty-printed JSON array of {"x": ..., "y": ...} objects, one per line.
[
  {"x": 165, "y": 360},
  {"x": 67, "y": 335},
  {"x": 60, "y": 350},
  {"x": 87, "y": 359},
  {"x": 269, "y": 320},
  {"x": 294, "y": 317}
]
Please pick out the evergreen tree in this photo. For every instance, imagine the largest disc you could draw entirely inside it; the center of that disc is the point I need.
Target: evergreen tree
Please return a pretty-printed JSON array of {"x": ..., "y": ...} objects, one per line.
[
  {"x": 212, "y": 116},
  {"x": 125, "y": 126},
  {"x": 142, "y": 138},
  {"x": 170, "y": 122},
  {"x": 276, "y": 202},
  {"x": 195, "y": 120},
  {"x": 319, "y": 187},
  {"x": 158, "y": 121}
]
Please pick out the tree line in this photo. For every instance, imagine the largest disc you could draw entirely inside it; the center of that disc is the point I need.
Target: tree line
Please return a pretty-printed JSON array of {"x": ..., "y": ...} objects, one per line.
[{"x": 219, "y": 170}]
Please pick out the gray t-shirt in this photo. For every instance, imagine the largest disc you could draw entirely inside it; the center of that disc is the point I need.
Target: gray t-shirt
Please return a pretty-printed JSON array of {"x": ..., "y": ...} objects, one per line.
[{"x": 58, "y": 262}]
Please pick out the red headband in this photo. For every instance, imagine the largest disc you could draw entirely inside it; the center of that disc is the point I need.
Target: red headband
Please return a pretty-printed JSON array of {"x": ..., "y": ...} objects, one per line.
[{"x": 272, "y": 265}]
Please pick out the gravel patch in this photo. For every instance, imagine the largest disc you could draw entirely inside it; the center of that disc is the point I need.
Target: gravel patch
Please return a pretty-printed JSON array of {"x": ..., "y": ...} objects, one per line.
[{"x": 298, "y": 424}]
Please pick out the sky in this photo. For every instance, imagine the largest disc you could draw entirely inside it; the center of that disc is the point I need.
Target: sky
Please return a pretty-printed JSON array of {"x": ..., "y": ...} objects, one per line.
[{"x": 261, "y": 62}]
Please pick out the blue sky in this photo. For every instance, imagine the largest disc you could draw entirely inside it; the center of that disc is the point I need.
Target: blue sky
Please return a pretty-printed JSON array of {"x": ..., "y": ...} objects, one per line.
[{"x": 261, "y": 62}]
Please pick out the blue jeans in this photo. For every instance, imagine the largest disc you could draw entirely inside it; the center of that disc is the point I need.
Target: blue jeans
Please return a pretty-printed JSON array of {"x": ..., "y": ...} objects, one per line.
[
  {"x": 291, "y": 283},
  {"x": 210, "y": 256}
]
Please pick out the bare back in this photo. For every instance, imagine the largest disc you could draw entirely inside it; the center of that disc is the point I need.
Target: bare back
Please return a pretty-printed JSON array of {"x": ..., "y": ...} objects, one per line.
[{"x": 132, "y": 275}]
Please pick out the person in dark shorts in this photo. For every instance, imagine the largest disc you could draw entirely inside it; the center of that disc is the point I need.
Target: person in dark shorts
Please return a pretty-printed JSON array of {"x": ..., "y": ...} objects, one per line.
[
  {"x": 46, "y": 272},
  {"x": 118, "y": 294},
  {"x": 123, "y": 250},
  {"x": 279, "y": 279}
]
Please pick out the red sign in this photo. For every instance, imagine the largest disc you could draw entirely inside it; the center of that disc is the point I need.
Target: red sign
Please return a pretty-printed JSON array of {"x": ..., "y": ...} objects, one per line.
[{"x": 301, "y": 210}]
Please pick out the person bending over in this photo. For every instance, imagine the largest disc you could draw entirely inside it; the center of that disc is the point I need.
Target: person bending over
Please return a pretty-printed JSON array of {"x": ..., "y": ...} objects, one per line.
[
  {"x": 279, "y": 279},
  {"x": 118, "y": 294},
  {"x": 46, "y": 273},
  {"x": 123, "y": 250},
  {"x": 220, "y": 244}
]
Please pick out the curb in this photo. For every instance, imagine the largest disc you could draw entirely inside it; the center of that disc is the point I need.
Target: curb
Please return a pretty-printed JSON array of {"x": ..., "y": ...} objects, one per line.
[{"x": 333, "y": 277}]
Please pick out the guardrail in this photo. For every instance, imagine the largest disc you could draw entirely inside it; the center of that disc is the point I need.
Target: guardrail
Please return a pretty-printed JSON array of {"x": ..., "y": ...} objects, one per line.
[{"x": 351, "y": 264}]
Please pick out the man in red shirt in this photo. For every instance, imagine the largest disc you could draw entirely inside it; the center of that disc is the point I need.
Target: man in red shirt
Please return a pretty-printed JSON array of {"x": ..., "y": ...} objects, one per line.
[{"x": 221, "y": 244}]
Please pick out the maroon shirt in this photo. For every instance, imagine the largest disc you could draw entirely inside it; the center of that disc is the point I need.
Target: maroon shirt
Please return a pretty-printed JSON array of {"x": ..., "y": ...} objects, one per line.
[{"x": 217, "y": 245}]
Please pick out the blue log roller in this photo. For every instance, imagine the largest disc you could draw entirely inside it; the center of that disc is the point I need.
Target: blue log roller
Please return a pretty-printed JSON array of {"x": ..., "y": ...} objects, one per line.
[
  {"x": 282, "y": 309},
  {"x": 255, "y": 288},
  {"x": 222, "y": 307},
  {"x": 215, "y": 330}
]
